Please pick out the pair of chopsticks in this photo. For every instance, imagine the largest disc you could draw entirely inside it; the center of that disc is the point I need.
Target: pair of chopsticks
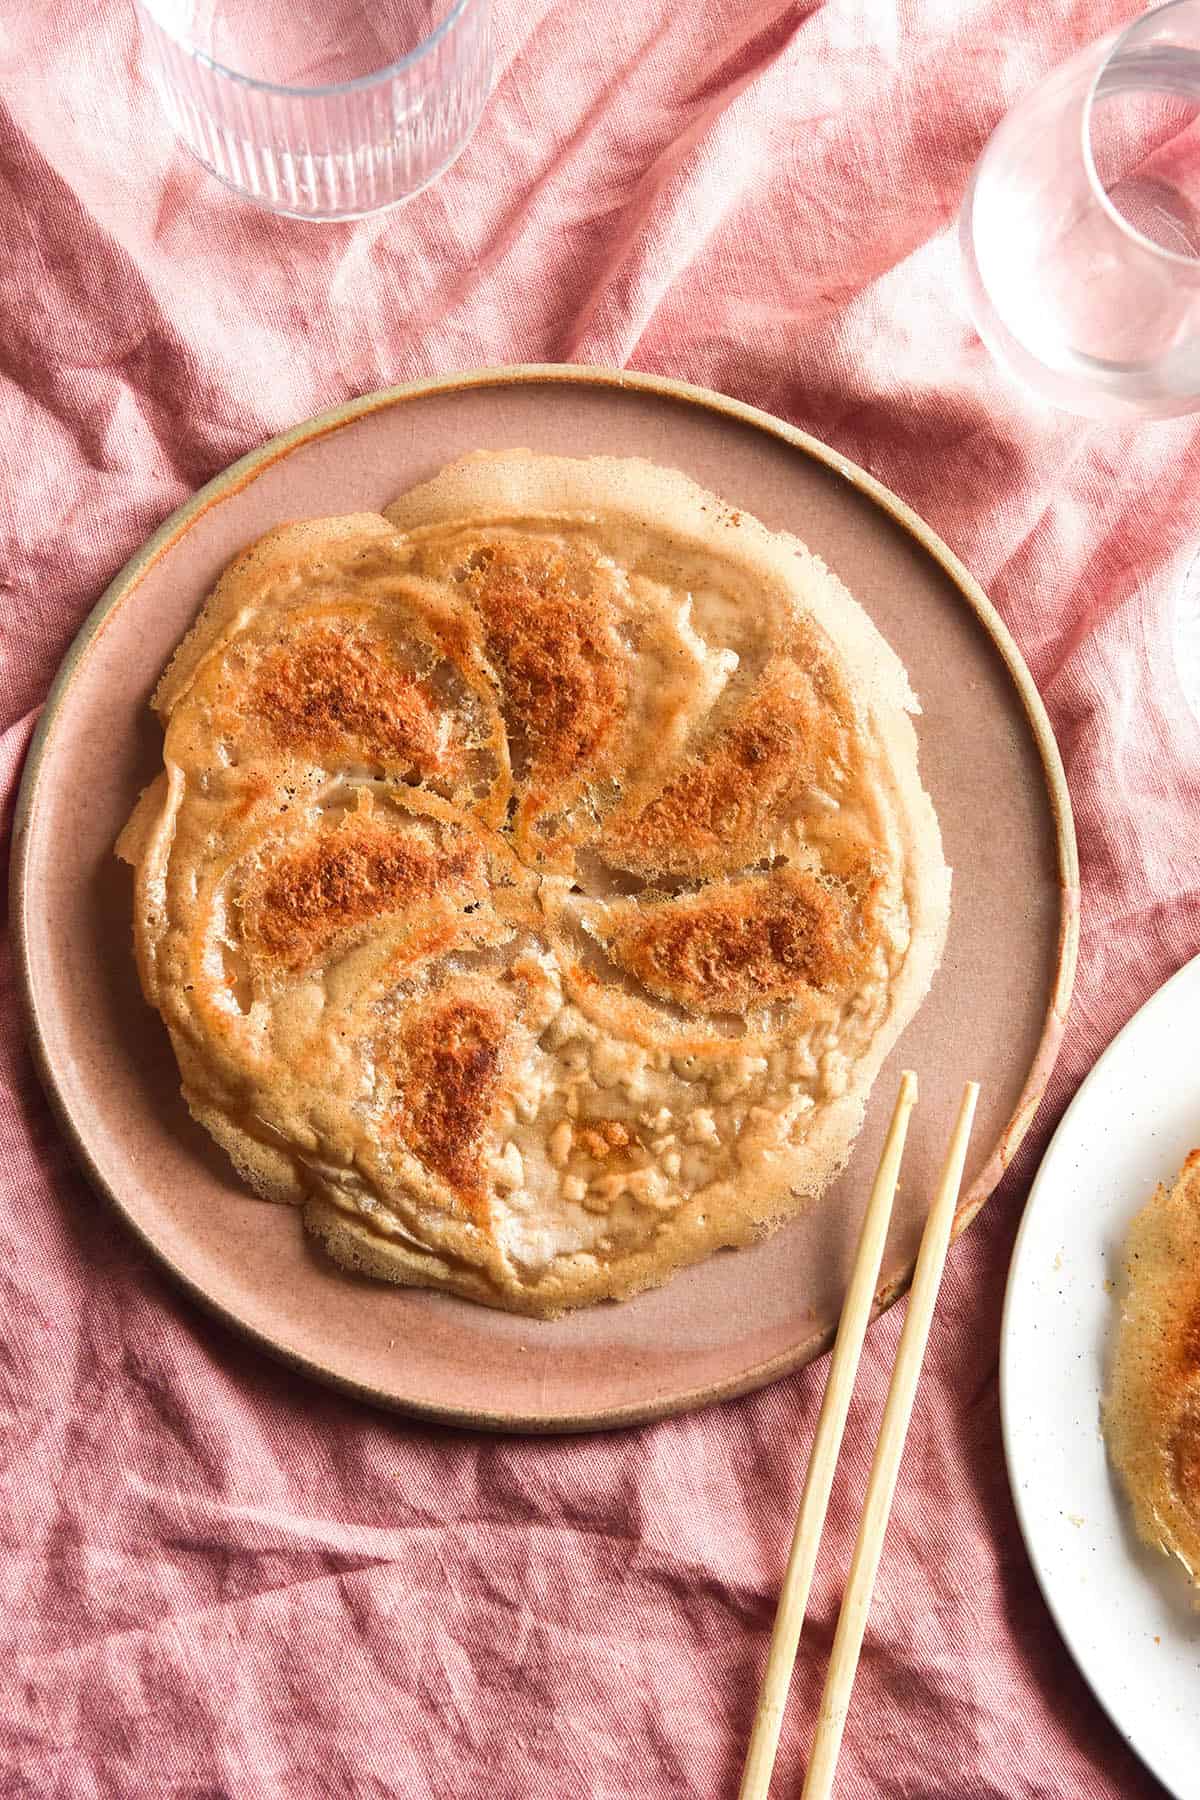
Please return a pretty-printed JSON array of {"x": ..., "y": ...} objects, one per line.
[{"x": 856, "y": 1313}]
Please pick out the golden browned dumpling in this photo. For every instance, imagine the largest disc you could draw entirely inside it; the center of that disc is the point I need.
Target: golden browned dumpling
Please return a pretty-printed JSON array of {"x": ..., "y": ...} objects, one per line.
[
  {"x": 1152, "y": 1410},
  {"x": 538, "y": 876}
]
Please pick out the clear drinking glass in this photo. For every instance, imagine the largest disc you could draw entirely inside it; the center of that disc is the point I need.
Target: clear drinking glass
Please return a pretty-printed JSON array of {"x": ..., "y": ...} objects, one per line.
[
  {"x": 323, "y": 109},
  {"x": 1081, "y": 227}
]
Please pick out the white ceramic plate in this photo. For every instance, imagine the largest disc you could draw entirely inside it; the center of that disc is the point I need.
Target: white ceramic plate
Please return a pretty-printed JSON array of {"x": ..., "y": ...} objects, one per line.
[{"x": 1123, "y": 1611}]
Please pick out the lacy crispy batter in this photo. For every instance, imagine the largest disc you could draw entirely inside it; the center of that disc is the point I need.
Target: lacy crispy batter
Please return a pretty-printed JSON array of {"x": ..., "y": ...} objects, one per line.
[
  {"x": 538, "y": 876},
  {"x": 1152, "y": 1409}
]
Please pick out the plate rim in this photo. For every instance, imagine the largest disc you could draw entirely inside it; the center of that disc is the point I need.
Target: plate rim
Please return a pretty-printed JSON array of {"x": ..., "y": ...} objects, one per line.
[
  {"x": 1189, "y": 969},
  {"x": 237, "y": 476}
]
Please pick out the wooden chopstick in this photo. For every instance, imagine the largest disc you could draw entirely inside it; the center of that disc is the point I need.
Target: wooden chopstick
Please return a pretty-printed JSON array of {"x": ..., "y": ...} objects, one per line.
[
  {"x": 827, "y": 1441},
  {"x": 852, "y": 1620},
  {"x": 789, "y": 1618}
]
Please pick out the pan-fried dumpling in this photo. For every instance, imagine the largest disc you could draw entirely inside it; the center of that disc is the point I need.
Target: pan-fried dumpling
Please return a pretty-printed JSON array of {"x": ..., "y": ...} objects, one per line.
[{"x": 1152, "y": 1409}]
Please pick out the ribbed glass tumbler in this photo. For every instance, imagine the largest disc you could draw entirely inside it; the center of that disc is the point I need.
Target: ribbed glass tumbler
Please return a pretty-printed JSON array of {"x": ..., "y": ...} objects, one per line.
[{"x": 322, "y": 109}]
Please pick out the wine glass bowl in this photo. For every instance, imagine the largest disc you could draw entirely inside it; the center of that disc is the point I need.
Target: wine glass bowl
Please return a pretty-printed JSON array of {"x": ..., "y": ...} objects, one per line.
[{"x": 1081, "y": 227}]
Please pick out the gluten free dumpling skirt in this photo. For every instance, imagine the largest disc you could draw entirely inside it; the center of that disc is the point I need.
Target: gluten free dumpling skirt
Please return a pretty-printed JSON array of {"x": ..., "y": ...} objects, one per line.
[{"x": 538, "y": 876}]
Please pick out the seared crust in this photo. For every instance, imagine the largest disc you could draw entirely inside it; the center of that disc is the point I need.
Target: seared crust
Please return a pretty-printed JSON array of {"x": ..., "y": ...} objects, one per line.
[
  {"x": 744, "y": 944},
  {"x": 445, "y": 1061},
  {"x": 1152, "y": 1409},
  {"x": 538, "y": 877},
  {"x": 307, "y": 902},
  {"x": 788, "y": 738},
  {"x": 344, "y": 695},
  {"x": 550, "y": 633}
]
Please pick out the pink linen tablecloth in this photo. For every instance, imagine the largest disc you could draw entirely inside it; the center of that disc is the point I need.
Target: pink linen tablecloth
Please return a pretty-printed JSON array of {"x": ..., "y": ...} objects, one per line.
[{"x": 219, "y": 1580}]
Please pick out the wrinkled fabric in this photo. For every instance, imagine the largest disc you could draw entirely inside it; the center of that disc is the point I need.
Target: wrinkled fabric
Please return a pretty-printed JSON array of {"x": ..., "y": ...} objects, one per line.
[{"x": 217, "y": 1579}]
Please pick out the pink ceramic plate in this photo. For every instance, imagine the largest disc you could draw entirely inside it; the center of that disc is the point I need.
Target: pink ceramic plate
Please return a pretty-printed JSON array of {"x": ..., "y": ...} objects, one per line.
[{"x": 996, "y": 1008}]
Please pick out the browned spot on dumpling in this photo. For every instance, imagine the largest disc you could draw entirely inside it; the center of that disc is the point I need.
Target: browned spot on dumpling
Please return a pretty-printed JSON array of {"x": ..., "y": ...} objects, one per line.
[
  {"x": 1186, "y": 1457},
  {"x": 314, "y": 897},
  {"x": 335, "y": 693},
  {"x": 549, "y": 632},
  {"x": 604, "y": 1136},
  {"x": 1189, "y": 1339},
  {"x": 787, "y": 736},
  {"x": 447, "y": 1069},
  {"x": 748, "y": 943}
]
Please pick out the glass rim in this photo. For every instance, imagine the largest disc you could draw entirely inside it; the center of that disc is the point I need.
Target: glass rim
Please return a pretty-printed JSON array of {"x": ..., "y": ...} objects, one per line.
[
  {"x": 153, "y": 10},
  {"x": 1134, "y": 29}
]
